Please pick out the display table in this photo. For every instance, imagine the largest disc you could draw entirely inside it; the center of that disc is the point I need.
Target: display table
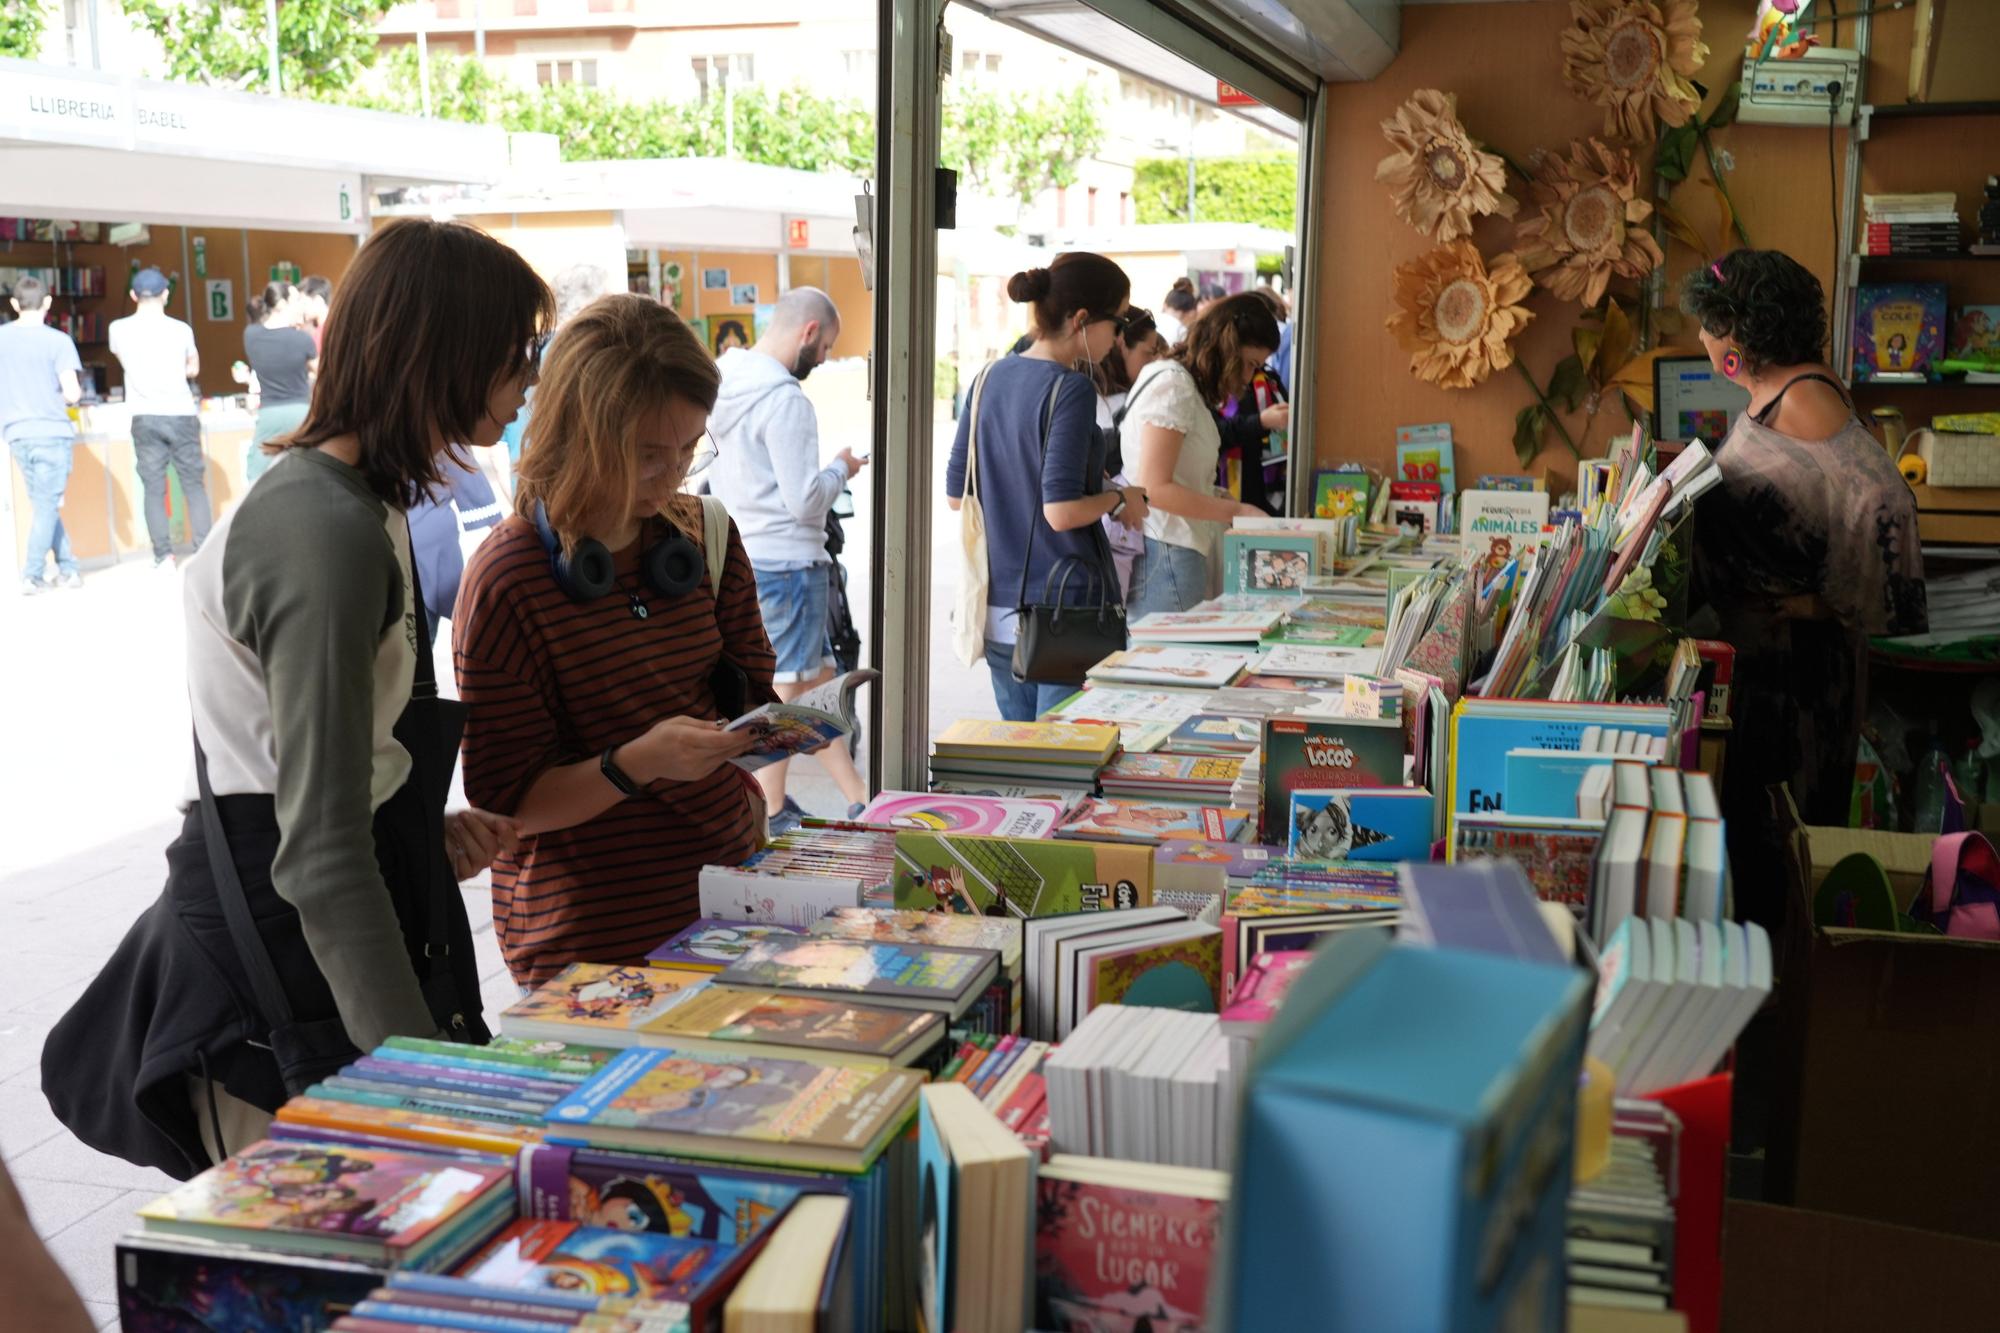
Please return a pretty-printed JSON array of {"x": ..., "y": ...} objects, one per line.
[{"x": 104, "y": 508}]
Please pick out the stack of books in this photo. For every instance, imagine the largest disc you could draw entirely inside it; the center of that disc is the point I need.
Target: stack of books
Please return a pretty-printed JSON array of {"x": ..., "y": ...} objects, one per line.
[
  {"x": 1673, "y": 996},
  {"x": 1911, "y": 224},
  {"x": 1171, "y": 665},
  {"x": 1000, "y": 1008},
  {"x": 1294, "y": 907},
  {"x": 955, "y": 812},
  {"x": 1664, "y": 852},
  {"x": 1153, "y": 822},
  {"x": 711, "y": 944},
  {"x": 1194, "y": 779},
  {"x": 803, "y": 874},
  {"x": 1058, "y": 753},
  {"x": 1153, "y": 956},
  {"x": 1260, "y": 994},
  {"x": 1144, "y": 1085},
  {"x": 919, "y": 979},
  {"x": 424, "y": 1300},
  {"x": 1216, "y": 621},
  {"x": 1619, "y": 1233},
  {"x": 1145, "y": 718},
  {"x": 976, "y": 1199}
]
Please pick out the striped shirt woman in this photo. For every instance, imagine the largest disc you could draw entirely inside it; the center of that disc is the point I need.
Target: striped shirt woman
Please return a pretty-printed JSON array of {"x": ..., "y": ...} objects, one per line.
[{"x": 593, "y": 719}]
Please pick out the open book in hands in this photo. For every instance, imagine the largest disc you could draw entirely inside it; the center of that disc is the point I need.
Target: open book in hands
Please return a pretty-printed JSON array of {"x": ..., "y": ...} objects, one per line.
[{"x": 808, "y": 724}]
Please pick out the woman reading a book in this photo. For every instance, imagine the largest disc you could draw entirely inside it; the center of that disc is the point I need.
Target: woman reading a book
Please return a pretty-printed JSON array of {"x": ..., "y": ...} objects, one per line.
[
  {"x": 312, "y": 906},
  {"x": 598, "y": 654},
  {"x": 1807, "y": 548},
  {"x": 1030, "y": 443},
  {"x": 1172, "y": 447}
]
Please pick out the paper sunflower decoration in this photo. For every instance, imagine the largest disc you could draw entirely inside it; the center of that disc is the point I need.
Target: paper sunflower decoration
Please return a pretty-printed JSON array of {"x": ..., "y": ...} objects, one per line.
[
  {"x": 1455, "y": 316},
  {"x": 1438, "y": 178},
  {"x": 1587, "y": 229},
  {"x": 1634, "y": 59}
]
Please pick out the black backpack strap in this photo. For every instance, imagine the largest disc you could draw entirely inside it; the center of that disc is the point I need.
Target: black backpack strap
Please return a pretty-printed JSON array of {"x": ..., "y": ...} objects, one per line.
[
  {"x": 424, "y": 690},
  {"x": 1035, "y": 519}
]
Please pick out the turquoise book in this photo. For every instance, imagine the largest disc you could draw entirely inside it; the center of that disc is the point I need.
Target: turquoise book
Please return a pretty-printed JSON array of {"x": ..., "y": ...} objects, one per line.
[
  {"x": 1542, "y": 784},
  {"x": 1484, "y": 730},
  {"x": 1444, "y": 1207}
]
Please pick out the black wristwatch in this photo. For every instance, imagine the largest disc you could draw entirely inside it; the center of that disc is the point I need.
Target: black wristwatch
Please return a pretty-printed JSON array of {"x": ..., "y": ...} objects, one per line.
[
  {"x": 615, "y": 775},
  {"x": 1118, "y": 506}
]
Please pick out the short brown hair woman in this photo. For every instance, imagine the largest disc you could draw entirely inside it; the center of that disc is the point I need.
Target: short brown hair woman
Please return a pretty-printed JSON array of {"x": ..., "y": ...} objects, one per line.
[
  {"x": 594, "y": 716},
  {"x": 315, "y": 803},
  {"x": 1172, "y": 444}
]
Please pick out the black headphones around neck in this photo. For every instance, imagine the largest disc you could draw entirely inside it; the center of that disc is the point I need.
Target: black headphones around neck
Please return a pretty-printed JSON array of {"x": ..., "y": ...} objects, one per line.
[{"x": 672, "y": 566}]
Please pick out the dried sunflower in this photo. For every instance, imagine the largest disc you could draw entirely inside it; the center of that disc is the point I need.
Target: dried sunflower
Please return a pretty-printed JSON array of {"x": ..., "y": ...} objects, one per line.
[
  {"x": 1588, "y": 227},
  {"x": 1455, "y": 316},
  {"x": 1634, "y": 58},
  {"x": 1438, "y": 178}
]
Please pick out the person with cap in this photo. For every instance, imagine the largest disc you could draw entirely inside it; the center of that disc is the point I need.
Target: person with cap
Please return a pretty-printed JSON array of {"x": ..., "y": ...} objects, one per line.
[{"x": 159, "y": 357}]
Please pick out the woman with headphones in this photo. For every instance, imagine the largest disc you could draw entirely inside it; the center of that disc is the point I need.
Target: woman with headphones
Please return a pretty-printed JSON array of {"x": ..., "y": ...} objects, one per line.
[{"x": 599, "y": 653}]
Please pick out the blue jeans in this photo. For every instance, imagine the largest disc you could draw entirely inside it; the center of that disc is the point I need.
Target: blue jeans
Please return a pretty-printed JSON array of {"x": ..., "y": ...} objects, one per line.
[
  {"x": 794, "y": 605},
  {"x": 44, "y": 465},
  {"x": 1167, "y": 578},
  {"x": 1021, "y": 701}
]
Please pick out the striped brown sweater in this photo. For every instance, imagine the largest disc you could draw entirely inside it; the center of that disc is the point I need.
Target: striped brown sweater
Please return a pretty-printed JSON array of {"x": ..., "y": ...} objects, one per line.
[{"x": 549, "y": 682}]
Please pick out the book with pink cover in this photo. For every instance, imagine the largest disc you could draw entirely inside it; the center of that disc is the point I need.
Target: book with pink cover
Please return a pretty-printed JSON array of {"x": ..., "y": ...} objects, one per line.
[
  {"x": 1139, "y": 821},
  {"x": 945, "y": 812},
  {"x": 1122, "y": 1245},
  {"x": 1257, "y": 997}
]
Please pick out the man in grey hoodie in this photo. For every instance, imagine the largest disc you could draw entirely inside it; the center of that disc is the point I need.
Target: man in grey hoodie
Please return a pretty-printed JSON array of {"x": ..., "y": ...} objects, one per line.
[{"x": 767, "y": 472}]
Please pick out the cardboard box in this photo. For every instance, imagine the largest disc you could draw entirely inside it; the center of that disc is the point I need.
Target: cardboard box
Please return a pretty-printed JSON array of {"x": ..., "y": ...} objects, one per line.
[
  {"x": 1889, "y": 1069},
  {"x": 1793, "y": 1270},
  {"x": 1380, "y": 1191}
]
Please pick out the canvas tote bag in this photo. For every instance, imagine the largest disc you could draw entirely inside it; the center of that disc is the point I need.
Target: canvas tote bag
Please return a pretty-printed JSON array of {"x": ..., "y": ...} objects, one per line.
[{"x": 975, "y": 575}]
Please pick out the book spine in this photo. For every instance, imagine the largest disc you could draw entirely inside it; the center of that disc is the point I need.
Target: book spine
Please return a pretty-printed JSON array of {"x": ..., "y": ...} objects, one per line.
[{"x": 541, "y": 1181}]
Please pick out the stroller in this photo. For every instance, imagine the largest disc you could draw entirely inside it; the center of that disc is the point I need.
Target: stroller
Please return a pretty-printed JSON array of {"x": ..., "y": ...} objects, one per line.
[{"x": 843, "y": 638}]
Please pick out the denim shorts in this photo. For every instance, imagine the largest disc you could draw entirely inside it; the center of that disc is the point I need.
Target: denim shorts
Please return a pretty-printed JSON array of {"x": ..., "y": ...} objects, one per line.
[{"x": 794, "y": 606}]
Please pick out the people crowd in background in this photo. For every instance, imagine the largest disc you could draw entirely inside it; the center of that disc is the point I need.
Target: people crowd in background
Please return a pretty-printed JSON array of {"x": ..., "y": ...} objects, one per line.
[
  {"x": 160, "y": 362},
  {"x": 284, "y": 359},
  {"x": 39, "y": 380}
]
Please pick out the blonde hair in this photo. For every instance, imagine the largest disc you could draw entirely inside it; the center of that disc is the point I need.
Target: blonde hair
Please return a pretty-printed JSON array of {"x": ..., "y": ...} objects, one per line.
[{"x": 620, "y": 359}]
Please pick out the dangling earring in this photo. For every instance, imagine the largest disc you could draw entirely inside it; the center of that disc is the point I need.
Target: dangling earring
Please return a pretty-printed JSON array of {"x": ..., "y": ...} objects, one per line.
[{"x": 1732, "y": 363}]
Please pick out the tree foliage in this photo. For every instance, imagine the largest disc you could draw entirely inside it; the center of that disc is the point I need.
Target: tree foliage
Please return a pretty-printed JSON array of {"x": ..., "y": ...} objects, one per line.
[
  {"x": 323, "y": 45},
  {"x": 1261, "y": 189},
  {"x": 21, "y": 26},
  {"x": 1012, "y": 146}
]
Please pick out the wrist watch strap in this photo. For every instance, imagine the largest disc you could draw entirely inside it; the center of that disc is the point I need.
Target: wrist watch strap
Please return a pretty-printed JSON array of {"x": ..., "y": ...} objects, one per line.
[{"x": 615, "y": 775}]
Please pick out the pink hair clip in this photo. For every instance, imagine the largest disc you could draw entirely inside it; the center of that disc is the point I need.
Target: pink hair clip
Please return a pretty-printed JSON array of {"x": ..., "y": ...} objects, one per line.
[{"x": 1716, "y": 269}]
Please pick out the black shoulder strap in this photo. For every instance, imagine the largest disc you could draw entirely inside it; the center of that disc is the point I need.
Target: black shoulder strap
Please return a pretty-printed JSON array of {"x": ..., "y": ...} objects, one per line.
[
  {"x": 423, "y": 691},
  {"x": 257, "y": 964},
  {"x": 1763, "y": 418}
]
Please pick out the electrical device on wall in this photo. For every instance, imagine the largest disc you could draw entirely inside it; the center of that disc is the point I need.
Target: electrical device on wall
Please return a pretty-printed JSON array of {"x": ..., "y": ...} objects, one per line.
[{"x": 1801, "y": 90}]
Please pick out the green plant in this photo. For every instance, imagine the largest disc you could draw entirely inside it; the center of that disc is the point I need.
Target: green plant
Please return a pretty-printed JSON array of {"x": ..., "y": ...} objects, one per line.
[
  {"x": 1675, "y": 159},
  {"x": 323, "y": 45},
  {"x": 1010, "y": 146},
  {"x": 21, "y": 25},
  {"x": 1262, "y": 189}
]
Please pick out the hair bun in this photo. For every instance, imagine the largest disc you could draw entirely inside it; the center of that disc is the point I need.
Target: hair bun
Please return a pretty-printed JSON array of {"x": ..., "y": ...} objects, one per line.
[{"x": 1028, "y": 286}]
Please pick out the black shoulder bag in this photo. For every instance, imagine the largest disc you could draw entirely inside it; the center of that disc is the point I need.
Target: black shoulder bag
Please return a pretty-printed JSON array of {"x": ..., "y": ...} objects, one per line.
[{"x": 1059, "y": 640}]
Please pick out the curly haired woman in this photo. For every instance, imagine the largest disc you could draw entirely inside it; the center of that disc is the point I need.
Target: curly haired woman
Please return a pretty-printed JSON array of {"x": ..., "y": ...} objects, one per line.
[{"x": 1807, "y": 548}]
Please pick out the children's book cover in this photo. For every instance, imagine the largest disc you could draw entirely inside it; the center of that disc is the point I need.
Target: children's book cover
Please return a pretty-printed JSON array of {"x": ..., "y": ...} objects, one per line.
[
  {"x": 1160, "y": 664},
  {"x": 419, "y": 1128},
  {"x": 1217, "y": 735},
  {"x": 273, "y": 1187},
  {"x": 1237, "y": 860},
  {"x": 1319, "y": 662},
  {"x": 1262, "y": 562},
  {"x": 1496, "y": 527},
  {"x": 1204, "y": 626},
  {"x": 1898, "y": 329},
  {"x": 1116, "y": 1257},
  {"x": 1413, "y": 507},
  {"x": 1423, "y": 453},
  {"x": 1379, "y": 824},
  {"x": 1342, "y": 495},
  {"x": 1180, "y": 974},
  {"x": 1558, "y": 854},
  {"x": 599, "y": 1261},
  {"x": 1173, "y": 769},
  {"x": 805, "y": 1021},
  {"x": 859, "y": 967},
  {"x": 167, "y": 1285},
  {"x": 1020, "y": 877},
  {"x": 631, "y": 1192},
  {"x": 953, "y": 929},
  {"x": 710, "y": 944},
  {"x": 1975, "y": 340},
  {"x": 1266, "y": 979},
  {"x": 962, "y": 814},
  {"x": 1138, "y": 821},
  {"x": 553, "y": 1059},
  {"x": 936, "y": 1177},
  {"x": 740, "y": 1098},
  {"x": 1315, "y": 754},
  {"x": 601, "y": 997},
  {"x": 1025, "y": 738}
]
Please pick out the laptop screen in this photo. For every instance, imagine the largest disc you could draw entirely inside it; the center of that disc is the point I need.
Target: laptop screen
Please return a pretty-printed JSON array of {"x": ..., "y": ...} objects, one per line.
[{"x": 1693, "y": 400}]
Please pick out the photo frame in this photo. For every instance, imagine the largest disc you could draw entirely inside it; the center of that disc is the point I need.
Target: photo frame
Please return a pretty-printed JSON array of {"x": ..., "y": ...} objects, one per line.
[{"x": 715, "y": 279}]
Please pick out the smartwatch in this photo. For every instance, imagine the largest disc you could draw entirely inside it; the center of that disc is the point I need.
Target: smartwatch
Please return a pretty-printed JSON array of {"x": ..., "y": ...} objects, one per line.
[{"x": 615, "y": 775}]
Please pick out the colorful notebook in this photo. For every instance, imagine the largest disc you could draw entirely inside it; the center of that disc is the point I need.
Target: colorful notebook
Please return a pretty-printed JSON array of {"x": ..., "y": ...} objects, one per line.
[
  {"x": 711, "y": 944},
  {"x": 598, "y": 1003}
]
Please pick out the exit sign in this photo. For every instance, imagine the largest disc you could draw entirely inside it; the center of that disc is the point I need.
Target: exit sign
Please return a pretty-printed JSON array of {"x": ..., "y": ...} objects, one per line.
[
  {"x": 1227, "y": 94},
  {"x": 798, "y": 233}
]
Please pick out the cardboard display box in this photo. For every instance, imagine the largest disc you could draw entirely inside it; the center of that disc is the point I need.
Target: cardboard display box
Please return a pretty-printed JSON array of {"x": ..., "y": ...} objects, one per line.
[
  {"x": 1793, "y": 1270},
  {"x": 1891, "y": 1071}
]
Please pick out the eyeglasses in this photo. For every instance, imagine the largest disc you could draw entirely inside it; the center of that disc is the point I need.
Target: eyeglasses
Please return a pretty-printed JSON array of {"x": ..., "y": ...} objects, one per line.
[
  {"x": 704, "y": 454},
  {"x": 1120, "y": 323}
]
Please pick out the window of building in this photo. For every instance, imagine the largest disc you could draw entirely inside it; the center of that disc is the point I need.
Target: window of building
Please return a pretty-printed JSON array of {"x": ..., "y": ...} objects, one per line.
[
  {"x": 566, "y": 69},
  {"x": 860, "y": 67},
  {"x": 1124, "y": 207},
  {"x": 712, "y": 74},
  {"x": 975, "y": 62}
]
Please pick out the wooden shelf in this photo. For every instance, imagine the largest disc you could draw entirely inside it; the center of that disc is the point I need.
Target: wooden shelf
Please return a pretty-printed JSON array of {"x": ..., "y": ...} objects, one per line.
[
  {"x": 1961, "y": 257},
  {"x": 1905, "y": 110},
  {"x": 1958, "y": 515}
]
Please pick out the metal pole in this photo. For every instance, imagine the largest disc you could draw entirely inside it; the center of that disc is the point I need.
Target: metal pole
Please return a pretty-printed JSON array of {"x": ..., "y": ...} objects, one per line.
[
  {"x": 95, "y": 62},
  {"x": 271, "y": 39},
  {"x": 424, "y": 69},
  {"x": 729, "y": 107},
  {"x": 479, "y": 30}
]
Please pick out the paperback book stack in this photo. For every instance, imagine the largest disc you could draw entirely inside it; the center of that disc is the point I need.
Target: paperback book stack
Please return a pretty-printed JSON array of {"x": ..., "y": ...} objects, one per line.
[
  {"x": 802, "y": 875},
  {"x": 1673, "y": 996},
  {"x": 1664, "y": 852},
  {"x": 1190, "y": 779},
  {"x": 1911, "y": 224},
  {"x": 1037, "y": 755},
  {"x": 1005, "y": 1074},
  {"x": 1619, "y": 1239},
  {"x": 1002, "y": 935},
  {"x": 1146, "y": 717},
  {"x": 1152, "y": 956},
  {"x": 1144, "y": 1085},
  {"x": 921, "y": 979}
]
